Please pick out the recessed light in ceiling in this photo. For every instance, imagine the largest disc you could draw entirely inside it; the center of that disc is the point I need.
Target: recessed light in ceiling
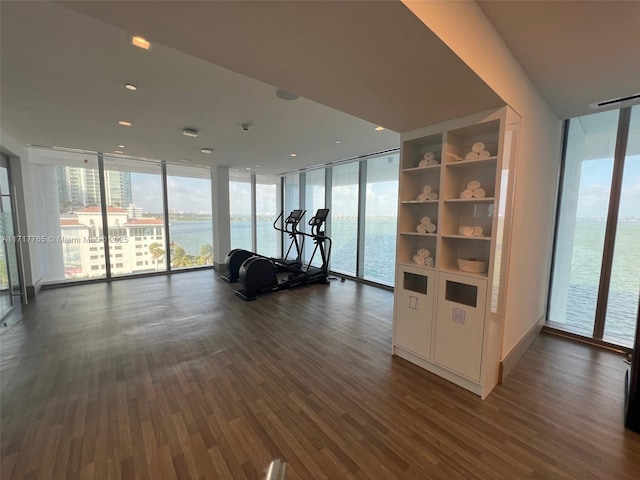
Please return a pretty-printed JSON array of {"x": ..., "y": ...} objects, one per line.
[
  {"x": 379, "y": 128},
  {"x": 141, "y": 42},
  {"x": 118, "y": 151},
  {"x": 124, "y": 123},
  {"x": 120, "y": 146},
  {"x": 257, "y": 166},
  {"x": 338, "y": 141},
  {"x": 248, "y": 168},
  {"x": 190, "y": 132},
  {"x": 207, "y": 150},
  {"x": 130, "y": 86},
  {"x": 284, "y": 95},
  {"x": 293, "y": 155}
]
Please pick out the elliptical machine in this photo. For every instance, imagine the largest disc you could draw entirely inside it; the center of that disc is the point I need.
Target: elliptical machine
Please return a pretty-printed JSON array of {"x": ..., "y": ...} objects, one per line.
[
  {"x": 235, "y": 258},
  {"x": 259, "y": 275}
]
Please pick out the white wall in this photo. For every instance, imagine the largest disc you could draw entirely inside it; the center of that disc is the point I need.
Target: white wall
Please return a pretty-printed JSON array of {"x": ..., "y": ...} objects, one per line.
[
  {"x": 467, "y": 31},
  {"x": 32, "y": 253}
]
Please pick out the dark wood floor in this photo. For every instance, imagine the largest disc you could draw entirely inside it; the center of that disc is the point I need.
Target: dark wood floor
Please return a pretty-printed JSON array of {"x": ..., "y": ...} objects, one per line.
[{"x": 175, "y": 377}]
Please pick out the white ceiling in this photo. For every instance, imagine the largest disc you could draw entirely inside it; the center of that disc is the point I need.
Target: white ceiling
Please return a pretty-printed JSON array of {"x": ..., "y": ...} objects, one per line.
[
  {"x": 64, "y": 70},
  {"x": 575, "y": 52},
  {"x": 215, "y": 65}
]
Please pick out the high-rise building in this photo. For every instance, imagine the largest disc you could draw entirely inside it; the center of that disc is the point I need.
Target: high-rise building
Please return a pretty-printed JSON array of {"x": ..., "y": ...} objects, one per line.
[{"x": 80, "y": 187}]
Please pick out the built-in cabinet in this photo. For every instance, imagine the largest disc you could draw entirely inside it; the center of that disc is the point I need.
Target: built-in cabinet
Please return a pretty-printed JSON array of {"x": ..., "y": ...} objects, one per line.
[{"x": 453, "y": 238}]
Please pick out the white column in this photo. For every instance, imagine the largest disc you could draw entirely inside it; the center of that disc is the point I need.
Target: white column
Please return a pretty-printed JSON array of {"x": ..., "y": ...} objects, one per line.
[{"x": 220, "y": 215}]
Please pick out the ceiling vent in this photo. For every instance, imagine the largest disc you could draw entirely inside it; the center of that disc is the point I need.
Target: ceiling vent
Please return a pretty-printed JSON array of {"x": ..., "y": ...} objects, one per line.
[{"x": 617, "y": 102}]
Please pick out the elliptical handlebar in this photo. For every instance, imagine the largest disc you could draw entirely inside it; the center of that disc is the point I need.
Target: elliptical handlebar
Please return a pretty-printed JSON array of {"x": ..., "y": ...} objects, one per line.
[{"x": 293, "y": 219}]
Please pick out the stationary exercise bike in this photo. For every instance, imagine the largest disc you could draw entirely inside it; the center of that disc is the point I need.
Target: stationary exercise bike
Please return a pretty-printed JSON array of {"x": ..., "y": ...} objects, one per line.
[
  {"x": 238, "y": 256},
  {"x": 259, "y": 275}
]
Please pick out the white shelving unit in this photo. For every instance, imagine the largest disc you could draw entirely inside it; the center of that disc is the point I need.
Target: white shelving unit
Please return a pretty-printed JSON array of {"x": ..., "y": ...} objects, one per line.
[{"x": 453, "y": 324}]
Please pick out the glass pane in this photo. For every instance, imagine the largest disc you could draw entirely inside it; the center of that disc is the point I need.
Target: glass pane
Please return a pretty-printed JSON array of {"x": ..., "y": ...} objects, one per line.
[
  {"x": 266, "y": 196},
  {"x": 582, "y": 221},
  {"x": 622, "y": 307},
  {"x": 344, "y": 218},
  {"x": 291, "y": 193},
  {"x": 4, "y": 181},
  {"x": 380, "y": 221},
  {"x": 190, "y": 221},
  {"x": 314, "y": 199},
  {"x": 135, "y": 215},
  {"x": 68, "y": 215},
  {"x": 240, "y": 210}
]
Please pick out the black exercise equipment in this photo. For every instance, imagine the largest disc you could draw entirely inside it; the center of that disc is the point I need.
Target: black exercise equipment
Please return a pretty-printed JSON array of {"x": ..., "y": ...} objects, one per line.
[
  {"x": 238, "y": 256},
  {"x": 260, "y": 275}
]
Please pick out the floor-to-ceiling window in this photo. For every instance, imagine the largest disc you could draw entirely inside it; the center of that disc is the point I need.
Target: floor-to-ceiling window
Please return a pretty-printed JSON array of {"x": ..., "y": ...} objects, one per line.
[
  {"x": 314, "y": 198},
  {"x": 10, "y": 289},
  {"x": 344, "y": 217},
  {"x": 594, "y": 288},
  {"x": 73, "y": 196},
  {"x": 190, "y": 223},
  {"x": 240, "y": 203},
  {"x": 381, "y": 209},
  {"x": 135, "y": 216},
  {"x": 267, "y": 237},
  {"x": 68, "y": 214}
]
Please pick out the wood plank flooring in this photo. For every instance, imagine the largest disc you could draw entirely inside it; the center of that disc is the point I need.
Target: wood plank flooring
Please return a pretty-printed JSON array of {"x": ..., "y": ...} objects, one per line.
[{"x": 176, "y": 378}]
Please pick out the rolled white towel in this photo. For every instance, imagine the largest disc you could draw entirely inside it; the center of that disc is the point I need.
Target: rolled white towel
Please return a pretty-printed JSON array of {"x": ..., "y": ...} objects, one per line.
[
  {"x": 423, "y": 163},
  {"x": 479, "y": 193},
  {"x": 484, "y": 154},
  {"x": 418, "y": 259},
  {"x": 466, "y": 231},
  {"x": 432, "y": 162},
  {"x": 424, "y": 252},
  {"x": 477, "y": 147},
  {"x": 433, "y": 196},
  {"x": 429, "y": 156},
  {"x": 425, "y": 220},
  {"x": 431, "y": 228},
  {"x": 473, "y": 184},
  {"x": 429, "y": 262},
  {"x": 478, "y": 231},
  {"x": 427, "y": 189},
  {"x": 421, "y": 229},
  {"x": 423, "y": 197},
  {"x": 471, "y": 156},
  {"x": 466, "y": 194}
]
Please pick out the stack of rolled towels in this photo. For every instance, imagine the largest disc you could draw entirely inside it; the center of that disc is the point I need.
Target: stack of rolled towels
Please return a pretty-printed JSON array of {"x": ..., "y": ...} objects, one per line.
[
  {"x": 473, "y": 190},
  {"x": 428, "y": 160},
  {"x": 426, "y": 226},
  {"x": 427, "y": 194},
  {"x": 424, "y": 258},
  {"x": 471, "y": 231},
  {"x": 477, "y": 152}
]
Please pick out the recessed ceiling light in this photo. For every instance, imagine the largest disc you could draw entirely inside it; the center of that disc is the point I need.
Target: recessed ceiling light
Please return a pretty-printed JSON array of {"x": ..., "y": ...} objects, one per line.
[
  {"x": 294, "y": 155},
  {"x": 141, "y": 42},
  {"x": 190, "y": 132},
  {"x": 130, "y": 86},
  {"x": 120, "y": 146},
  {"x": 338, "y": 141},
  {"x": 257, "y": 166},
  {"x": 207, "y": 150},
  {"x": 124, "y": 123},
  {"x": 248, "y": 168},
  {"x": 118, "y": 151},
  {"x": 379, "y": 128}
]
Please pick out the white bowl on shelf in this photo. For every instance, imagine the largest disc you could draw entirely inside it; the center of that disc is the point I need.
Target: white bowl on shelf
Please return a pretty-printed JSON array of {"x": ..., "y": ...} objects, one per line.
[{"x": 472, "y": 265}]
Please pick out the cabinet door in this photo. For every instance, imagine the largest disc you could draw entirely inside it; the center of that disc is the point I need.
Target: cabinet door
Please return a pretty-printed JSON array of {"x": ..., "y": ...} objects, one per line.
[
  {"x": 414, "y": 310},
  {"x": 460, "y": 324}
]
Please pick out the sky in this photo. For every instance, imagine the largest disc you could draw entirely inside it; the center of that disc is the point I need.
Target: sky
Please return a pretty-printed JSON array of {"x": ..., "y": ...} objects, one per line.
[
  {"x": 595, "y": 185},
  {"x": 192, "y": 195}
]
